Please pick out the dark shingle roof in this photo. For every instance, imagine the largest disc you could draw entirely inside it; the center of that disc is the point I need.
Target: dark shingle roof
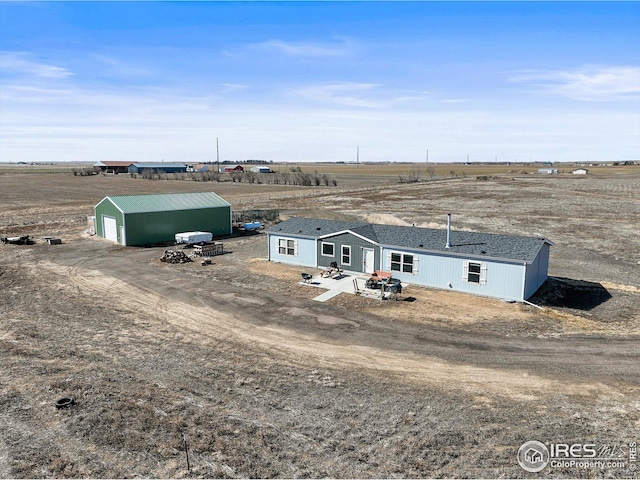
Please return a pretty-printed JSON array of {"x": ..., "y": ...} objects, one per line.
[
  {"x": 476, "y": 244},
  {"x": 313, "y": 227}
]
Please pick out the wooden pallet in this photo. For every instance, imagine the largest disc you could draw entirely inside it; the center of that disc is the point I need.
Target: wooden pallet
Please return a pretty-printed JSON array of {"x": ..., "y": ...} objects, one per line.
[{"x": 208, "y": 249}]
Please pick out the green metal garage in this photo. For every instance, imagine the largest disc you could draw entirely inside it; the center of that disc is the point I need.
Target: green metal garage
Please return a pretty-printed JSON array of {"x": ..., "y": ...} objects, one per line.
[{"x": 147, "y": 219}]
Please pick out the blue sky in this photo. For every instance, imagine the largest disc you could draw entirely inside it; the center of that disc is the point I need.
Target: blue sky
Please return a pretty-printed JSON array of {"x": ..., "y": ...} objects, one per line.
[{"x": 152, "y": 81}]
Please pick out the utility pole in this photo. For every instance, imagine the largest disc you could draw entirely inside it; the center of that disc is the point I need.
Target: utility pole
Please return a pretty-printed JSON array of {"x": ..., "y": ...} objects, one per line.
[
  {"x": 357, "y": 156},
  {"x": 217, "y": 155},
  {"x": 427, "y": 156}
]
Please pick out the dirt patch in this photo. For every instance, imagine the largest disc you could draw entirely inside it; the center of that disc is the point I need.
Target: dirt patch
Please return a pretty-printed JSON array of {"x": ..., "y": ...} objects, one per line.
[
  {"x": 622, "y": 288},
  {"x": 265, "y": 382},
  {"x": 386, "y": 219},
  {"x": 241, "y": 403}
]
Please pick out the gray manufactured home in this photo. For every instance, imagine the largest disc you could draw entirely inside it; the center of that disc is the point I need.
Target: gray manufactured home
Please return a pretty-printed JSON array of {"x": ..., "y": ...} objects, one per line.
[{"x": 509, "y": 267}]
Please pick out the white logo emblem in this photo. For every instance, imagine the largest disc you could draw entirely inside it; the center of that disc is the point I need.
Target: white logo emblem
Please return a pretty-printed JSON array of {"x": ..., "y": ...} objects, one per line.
[{"x": 533, "y": 456}]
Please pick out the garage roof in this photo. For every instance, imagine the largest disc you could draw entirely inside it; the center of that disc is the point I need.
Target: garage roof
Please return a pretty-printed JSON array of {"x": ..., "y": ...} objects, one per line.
[
  {"x": 112, "y": 164},
  {"x": 167, "y": 202}
]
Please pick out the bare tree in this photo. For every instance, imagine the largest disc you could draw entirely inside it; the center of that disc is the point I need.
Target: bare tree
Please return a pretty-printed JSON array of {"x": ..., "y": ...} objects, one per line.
[
  {"x": 413, "y": 177},
  {"x": 431, "y": 171}
]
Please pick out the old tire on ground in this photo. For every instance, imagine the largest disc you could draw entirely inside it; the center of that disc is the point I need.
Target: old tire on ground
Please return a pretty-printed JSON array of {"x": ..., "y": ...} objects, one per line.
[{"x": 65, "y": 402}]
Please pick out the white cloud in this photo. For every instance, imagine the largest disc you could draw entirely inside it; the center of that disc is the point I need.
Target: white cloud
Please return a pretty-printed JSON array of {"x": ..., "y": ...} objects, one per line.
[
  {"x": 233, "y": 87},
  {"x": 589, "y": 83},
  {"x": 347, "y": 94},
  {"x": 21, "y": 62},
  {"x": 171, "y": 129},
  {"x": 352, "y": 94},
  {"x": 118, "y": 67},
  {"x": 44, "y": 123},
  {"x": 308, "y": 49}
]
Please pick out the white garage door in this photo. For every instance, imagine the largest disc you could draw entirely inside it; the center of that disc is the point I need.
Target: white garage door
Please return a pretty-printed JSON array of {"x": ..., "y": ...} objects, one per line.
[{"x": 110, "y": 229}]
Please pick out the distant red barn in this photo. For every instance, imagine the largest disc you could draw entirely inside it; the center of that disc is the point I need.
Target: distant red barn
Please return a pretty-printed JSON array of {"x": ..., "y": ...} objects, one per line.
[{"x": 232, "y": 168}]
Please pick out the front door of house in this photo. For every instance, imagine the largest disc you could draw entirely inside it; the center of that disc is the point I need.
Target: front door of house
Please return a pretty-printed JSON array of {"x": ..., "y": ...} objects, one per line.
[{"x": 368, "y": 260}]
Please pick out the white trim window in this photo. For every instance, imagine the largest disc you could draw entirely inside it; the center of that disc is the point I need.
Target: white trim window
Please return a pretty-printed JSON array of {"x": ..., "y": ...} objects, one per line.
[
  {"x": 475, "y": 272},
  {"x": 402, "y": 262},
  {"x": 287, "y": 246},
  {"x": 327, "y": 249},
  {"x": 346, "y": 255}
]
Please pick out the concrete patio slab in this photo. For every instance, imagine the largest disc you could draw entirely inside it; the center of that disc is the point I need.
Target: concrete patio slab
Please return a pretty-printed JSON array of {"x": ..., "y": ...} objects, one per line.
[{"x": 349, "y": 283}]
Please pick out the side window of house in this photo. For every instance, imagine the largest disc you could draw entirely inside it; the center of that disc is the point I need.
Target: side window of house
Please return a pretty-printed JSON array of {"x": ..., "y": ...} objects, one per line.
[
  {"x": 396, "y": 261},
  {"x": 286, "y": 246},
  {"x": 328, "y": 249},
  {"x": 346, "y": 255},
  {"x": 407, "y": 263},
  {"x": 475, "y": 272},
  {"x": 402, "y": 262}
]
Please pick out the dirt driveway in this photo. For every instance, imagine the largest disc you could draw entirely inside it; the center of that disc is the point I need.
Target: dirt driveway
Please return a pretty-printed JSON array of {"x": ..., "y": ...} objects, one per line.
[{"x": 335, "y": 337}]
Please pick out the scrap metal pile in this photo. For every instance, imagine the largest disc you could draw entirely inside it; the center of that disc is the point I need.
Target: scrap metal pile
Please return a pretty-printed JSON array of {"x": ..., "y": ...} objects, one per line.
[{"x": 23, "y": 240}]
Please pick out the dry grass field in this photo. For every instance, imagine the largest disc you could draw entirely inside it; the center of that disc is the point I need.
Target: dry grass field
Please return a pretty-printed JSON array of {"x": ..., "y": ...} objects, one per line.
[{"x": 265, "y": 382}]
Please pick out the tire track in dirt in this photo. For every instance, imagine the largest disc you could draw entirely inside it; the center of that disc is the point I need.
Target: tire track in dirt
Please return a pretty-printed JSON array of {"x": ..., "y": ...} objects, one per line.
[{"x": 203, "y": 321}]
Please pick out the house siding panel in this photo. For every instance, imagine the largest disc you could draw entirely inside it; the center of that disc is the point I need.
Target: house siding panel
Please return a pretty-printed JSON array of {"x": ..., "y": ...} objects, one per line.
[
  {"x": 537, "y": 272},
  {"x": 357, "y": 245},
  {"x": 504, "y": 280},
  {"x": 306, "y": 249}
]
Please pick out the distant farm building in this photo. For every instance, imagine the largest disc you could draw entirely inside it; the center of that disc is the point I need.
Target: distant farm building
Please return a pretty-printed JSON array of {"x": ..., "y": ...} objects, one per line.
[
  {"x": 198, "y": 167},
  {"x": 157, "y": 167},
  {"x": 547, "y": 171},
  {"x": 148, "y": 219},
  {"x": 231, "y": 169},
  {"x": 580, "y": 171},
  {"x": 502, "y": 266},
  {"x": 112, "y": 167},
  {"x": 260, "y": 169}
]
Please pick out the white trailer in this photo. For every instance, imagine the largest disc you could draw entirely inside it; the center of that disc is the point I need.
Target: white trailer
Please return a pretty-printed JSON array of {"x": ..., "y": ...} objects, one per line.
[{"x": 191, "y": 238}]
